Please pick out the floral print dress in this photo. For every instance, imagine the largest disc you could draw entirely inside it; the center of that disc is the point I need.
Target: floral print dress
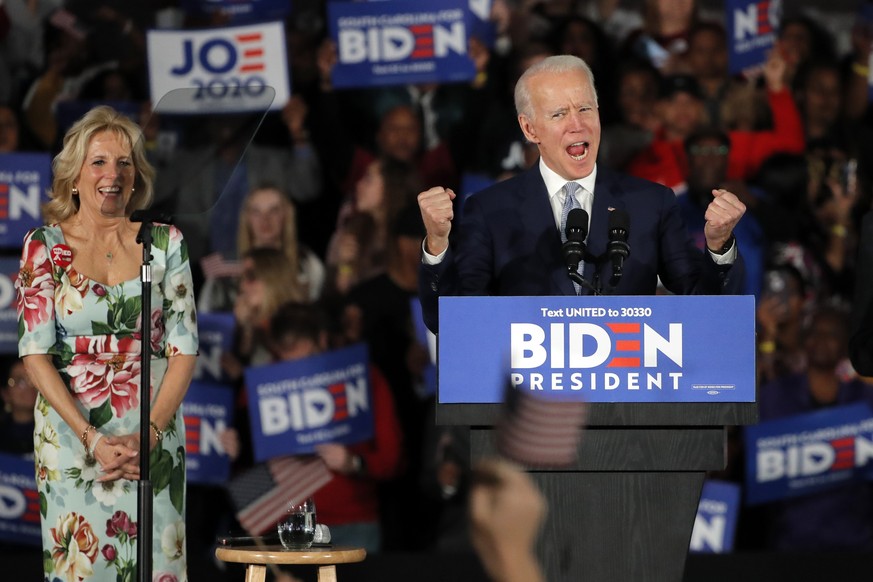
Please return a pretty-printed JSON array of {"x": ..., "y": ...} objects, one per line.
[{"x": 91, "y": 330}]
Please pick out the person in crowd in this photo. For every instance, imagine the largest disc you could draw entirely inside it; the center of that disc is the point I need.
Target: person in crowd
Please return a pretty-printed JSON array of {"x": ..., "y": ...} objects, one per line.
[
  {"x": 379, "y": 311},
  {"x": 399, "y": 135},
  {"x": 638, "y": 88},
  {"x": 267, "y": 281},
  {"x": 781, "y": 314},
  {"x": 349, "y": 503},
  {"x": 510, "y": 235},
  {"x": 358, "y": 248},
  {"x": 840, "y": 518},
  {"x": 80, "y": 320},
  {"x": 269, "y": 221},
  {"x": 800, "y": 39},
  {"x": 9, "y": 130},
  {"x": 17, "y": 419},
  {"x": 682, "y": 112},
  {"x": 663, "y": 38},
  {"x": 708, "y": 150},
  {"x": 708, "y": 64},
  {"x": 215, "y": 167}
]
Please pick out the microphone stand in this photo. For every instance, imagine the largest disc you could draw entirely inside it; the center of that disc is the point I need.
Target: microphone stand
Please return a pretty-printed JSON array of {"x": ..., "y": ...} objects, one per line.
[{"x": 144, "y": 495}]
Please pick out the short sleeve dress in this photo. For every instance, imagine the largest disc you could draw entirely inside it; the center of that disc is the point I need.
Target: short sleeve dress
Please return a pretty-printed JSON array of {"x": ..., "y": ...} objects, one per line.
[{"x": 92, "y": 332}]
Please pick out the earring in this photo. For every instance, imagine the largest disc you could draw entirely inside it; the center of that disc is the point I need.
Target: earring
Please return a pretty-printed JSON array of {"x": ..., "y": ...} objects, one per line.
[
  {"x": 75, "y": 191},
  {"x": 132, "y": 190}
]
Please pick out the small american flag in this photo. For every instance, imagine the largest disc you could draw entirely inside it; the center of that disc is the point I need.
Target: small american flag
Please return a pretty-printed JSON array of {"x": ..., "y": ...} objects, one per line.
[
  {"x": 215, "y": 266},
  {"x": 537, "y": 432},
  {"x": 261, "y": 494}
]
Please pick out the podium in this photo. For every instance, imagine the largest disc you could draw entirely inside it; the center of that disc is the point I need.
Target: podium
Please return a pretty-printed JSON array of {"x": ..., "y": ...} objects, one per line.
[{"x": 625, "y": 510}]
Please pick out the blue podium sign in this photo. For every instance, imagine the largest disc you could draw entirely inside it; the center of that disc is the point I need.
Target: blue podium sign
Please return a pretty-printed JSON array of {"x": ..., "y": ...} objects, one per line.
[{"x": 598, "y": 349}]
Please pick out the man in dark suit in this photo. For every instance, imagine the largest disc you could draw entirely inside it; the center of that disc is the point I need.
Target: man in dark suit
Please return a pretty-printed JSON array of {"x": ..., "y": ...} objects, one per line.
[{"x": 510, "y": 237}]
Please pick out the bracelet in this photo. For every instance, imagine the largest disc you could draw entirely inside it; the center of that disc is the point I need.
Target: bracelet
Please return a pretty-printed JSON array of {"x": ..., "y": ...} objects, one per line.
[
  {"x": 94, "y": 442},
  {"x": 861, "y": 70},
  {"x": 84, "y": 437},
  {"x": 767, "y": 347},
  {"x": 159, "y": 434}
]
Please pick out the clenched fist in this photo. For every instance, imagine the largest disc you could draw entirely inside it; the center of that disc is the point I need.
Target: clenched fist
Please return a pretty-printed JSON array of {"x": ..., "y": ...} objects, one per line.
[{"x": 437, "y": 213}]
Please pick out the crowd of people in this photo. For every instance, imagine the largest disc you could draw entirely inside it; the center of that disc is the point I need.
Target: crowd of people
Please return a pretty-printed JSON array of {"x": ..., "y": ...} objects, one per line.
[{"x": 316, "y": 238}]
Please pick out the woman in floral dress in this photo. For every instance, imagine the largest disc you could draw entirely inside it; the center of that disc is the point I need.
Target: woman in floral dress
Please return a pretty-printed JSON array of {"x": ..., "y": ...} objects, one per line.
[{"x": 79, "y": 309}]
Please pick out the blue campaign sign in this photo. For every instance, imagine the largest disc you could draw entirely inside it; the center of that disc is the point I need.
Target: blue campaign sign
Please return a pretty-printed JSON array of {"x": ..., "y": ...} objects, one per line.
[
  {"x": 24, "y": 182},
  {"x": 216, "y": 336},
  {"x": 238, "y": 11},
  {"x": 19, "y": 501},
  {"x": 752, "y": 27},
  {"x": 470, "y": 184},
  {"x": 598, "y": 348},
  {"x": 296, "y": 405},
  {"x": 807, "y": 453},
  {"x": 716, "y": 522},
  {"x": 392, "y": 43},
  {"x": 208, "y": 410},
  {"x": 8, "y": 313}
]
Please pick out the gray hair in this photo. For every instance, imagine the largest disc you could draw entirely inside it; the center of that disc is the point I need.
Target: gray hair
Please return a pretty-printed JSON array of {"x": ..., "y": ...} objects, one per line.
[{"x": 553, "y": 64}]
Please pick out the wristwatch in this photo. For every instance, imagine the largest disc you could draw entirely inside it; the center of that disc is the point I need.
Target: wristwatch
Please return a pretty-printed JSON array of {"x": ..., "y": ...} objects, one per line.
[{"x": 725, "y": 247}]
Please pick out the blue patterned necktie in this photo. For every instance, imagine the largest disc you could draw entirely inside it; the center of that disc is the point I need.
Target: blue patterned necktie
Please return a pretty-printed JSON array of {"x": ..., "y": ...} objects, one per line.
[{"x": 570, "y": 202}]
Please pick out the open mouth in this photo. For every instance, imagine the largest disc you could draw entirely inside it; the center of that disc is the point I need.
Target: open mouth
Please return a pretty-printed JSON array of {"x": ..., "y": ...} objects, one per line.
[
  {"x": 578, "y": 151},
  {"x": 110, "y": 190}
]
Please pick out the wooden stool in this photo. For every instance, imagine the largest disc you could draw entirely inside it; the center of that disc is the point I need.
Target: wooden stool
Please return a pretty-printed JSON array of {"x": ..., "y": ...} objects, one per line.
[{"x": 258, "y": 558}]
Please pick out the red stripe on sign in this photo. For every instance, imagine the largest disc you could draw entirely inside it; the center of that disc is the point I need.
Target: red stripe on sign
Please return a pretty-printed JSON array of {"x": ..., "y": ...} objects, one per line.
[
  {"x": 249, "y": 53},
  {"x": 624, "y": 327},
  {"x": 424, "y": 41},
  {"x": 31, "y": 493},
  {"x": 627, "y": 345},
  {"x": 336, "y": 388},
  {"x": 841, "y": 443},
  {"x": 341, "y": 415},
  {"x": 192, "y": 449},
  {"x": 4, "y": 188},
  {"x": 624, "y": 363},
  {"x": 192, "y": 434},
  {"x": 30, "y": 517},
  {"x": 250, "y": 68},
  {"x": 192, "y": 421},
  {"x": 252, "y": 37},
  {"x": 840, "y": 465},
  {"x": 33, "y": 506},
  {"x": 846, "y": 454},
  {"x": 764, "y": 28},
  {"x": 421, "y": 53},
  {"x": 421, "y": 29},
  {"x": 340, "y": 399},
  {"x": 4, "y": 213}
]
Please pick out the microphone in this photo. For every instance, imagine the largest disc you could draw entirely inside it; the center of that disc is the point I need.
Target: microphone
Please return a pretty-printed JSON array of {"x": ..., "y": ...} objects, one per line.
[
  {"x": 576, "y": 230},
  {"x": 617, "y": 249}
]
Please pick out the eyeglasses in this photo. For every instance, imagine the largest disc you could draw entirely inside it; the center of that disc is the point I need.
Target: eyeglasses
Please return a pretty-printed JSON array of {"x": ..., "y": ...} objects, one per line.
[{"x": 711, "y": 150}]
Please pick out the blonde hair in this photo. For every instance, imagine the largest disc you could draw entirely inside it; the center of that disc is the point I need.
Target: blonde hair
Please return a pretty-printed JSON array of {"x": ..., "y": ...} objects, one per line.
[
  {"x": 67, "y": 165},
  {"x": 245, "y": 240},
  {"x": 281, "y": 284}
]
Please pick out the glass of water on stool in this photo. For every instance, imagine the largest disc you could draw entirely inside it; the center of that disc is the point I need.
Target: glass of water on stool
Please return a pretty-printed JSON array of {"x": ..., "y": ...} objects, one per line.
[{"x": 297, "y": 528}]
